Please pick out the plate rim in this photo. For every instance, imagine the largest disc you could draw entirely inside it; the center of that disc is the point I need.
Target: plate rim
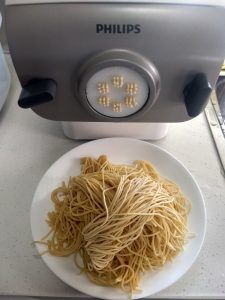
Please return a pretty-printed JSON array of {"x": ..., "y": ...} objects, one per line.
[{"x": 158, "y": 148}]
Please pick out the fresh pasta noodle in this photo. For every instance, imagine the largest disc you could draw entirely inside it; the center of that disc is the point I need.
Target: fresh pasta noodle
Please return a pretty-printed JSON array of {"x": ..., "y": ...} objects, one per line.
[{"x": 120, "y": 219}]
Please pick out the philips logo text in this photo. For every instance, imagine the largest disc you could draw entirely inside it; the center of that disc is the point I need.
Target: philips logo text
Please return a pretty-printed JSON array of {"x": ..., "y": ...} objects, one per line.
[{"x": 118, "y": 28}]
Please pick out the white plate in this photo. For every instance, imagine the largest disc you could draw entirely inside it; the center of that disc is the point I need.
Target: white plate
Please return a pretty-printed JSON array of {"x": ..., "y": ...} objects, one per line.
[{"x": 120, "y": 150}]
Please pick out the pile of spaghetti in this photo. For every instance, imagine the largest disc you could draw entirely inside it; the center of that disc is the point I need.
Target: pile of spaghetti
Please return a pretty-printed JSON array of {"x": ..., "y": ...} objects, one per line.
[{"x": 120, "y": 219}]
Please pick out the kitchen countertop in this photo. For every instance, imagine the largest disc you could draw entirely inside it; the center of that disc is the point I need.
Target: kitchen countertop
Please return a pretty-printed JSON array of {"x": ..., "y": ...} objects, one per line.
[{"x": 28, "y": 147}]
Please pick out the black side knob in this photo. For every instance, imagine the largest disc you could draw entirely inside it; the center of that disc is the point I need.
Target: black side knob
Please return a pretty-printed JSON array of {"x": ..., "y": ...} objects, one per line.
[
  {"x": 196, "y": 94},
  {"x": 37, "y": 92}
]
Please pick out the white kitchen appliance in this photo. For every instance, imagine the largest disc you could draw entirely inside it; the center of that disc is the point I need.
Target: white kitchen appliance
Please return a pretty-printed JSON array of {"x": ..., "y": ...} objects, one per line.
[{"x": 116, "y": 68}]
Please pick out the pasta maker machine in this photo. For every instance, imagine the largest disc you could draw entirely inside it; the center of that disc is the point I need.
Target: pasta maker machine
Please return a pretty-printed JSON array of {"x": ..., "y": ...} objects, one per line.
[{"x": 116, "y": 68}]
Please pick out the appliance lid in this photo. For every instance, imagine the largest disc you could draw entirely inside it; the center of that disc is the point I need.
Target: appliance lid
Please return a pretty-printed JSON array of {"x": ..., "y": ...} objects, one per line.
[{"x": 178, "y": 2}]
